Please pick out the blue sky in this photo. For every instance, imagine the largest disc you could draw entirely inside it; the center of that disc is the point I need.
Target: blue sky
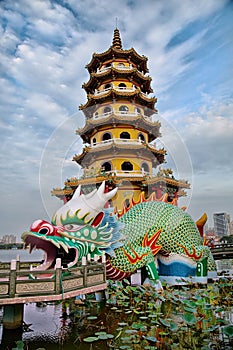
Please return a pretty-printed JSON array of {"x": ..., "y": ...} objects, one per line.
[{"x": 45, "y": 46}]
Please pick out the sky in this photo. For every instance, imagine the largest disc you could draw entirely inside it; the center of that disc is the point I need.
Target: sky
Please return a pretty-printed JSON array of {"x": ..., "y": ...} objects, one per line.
[{"x": 45, "y": 46}]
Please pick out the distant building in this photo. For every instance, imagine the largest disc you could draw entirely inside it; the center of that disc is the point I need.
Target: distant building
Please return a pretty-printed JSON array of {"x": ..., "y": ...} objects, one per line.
[
  {"x": 231, "y": 227},
  {"x": 222, "y": 224},
  {"x": 8, "y": 239}
]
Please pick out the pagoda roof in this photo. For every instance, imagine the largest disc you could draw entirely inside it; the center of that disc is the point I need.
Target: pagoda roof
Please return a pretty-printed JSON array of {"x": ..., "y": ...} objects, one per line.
[
  {"x": 113, "y": 72},
  {"x": 137, "y": 120},
  {"x": 124, "y": 146},
  {"x": 111, "y": 94},
  {"x": 168, "y": 180},
  {"x": 72, "y": 183},
  {"x": 116, "y": 51}
]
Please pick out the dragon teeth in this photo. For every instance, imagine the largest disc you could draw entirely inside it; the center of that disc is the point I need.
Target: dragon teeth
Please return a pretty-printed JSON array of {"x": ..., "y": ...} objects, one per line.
[{"x": 64, "y": 246}]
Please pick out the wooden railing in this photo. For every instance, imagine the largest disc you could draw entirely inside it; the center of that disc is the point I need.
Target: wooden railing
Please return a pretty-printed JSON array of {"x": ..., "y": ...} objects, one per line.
[{"x": 19, "y": 283}]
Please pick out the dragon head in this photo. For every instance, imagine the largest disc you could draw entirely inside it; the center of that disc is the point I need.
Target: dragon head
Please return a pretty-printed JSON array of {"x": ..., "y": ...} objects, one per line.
[{"x": 82, "y": 226}]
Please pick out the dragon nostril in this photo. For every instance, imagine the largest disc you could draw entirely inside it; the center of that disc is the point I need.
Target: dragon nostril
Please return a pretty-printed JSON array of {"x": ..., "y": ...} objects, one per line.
[{"x": 43, "y": 231}]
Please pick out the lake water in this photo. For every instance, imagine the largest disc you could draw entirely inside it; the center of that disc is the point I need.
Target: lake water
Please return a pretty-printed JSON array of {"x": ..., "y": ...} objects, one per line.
[
  {"x": 7, "y": 255},
  {"x": 46, "y": 328}
]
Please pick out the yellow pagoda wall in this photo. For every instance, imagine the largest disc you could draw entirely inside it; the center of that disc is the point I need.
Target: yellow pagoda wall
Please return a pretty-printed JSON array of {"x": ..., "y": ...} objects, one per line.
[
  {"x": 116, "y": 132},
  {"x": 115, "y": 107}
]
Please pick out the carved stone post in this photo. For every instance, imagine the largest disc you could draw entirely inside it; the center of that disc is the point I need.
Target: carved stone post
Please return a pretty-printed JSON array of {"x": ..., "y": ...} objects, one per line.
[
  {"x": 12, "y": 279},
  {"x": 85, "y": 276},
  {"x": 58, "y": 276}
]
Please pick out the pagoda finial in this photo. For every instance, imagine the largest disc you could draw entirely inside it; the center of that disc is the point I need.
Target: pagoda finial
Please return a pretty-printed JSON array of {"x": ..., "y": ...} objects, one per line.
[{"x": 116, "y": 42}]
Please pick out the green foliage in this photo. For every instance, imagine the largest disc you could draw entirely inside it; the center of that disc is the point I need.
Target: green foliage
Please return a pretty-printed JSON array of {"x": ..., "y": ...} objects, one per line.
[{"x": 191, "y": 317}]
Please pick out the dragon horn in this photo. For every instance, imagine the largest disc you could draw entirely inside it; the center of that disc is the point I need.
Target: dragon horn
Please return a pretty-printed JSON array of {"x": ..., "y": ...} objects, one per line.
[
  {"x": 77, "y": 192},
  {"x": 98, "y": 199},
  {"x": 105, "y": 196}
]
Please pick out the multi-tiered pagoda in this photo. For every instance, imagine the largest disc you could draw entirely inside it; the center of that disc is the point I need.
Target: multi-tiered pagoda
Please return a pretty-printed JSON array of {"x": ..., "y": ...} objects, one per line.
[{"x": 120, "y": 133}]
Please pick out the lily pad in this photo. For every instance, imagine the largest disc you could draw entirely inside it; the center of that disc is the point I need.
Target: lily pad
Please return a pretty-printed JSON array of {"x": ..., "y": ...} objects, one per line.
[
  {"x": 122, "y": 324},
  {"x": 189, "y": 318},
  {"x": 228, "y": 330},
  {"x": 90, "y": 339},
  {"x": 105, "y": 336},
  {"x": 151, "y": 339},
  {"x": 92, "y": 317}
]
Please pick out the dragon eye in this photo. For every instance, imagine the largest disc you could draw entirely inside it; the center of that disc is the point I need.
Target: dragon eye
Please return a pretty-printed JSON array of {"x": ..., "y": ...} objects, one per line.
[
  {"x": 44, "y": 231},
  {"x": 71, "y": 227}
]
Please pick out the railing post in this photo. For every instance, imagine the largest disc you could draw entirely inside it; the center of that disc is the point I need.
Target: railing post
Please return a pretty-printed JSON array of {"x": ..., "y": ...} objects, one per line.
[
  {"x": 104, "y": 265},
  {"x": 12, "y": 279},
  {"x": 18, "y": 262},
  {"x": 84, "y": 265},
  {"x": 58, "y": 276}
]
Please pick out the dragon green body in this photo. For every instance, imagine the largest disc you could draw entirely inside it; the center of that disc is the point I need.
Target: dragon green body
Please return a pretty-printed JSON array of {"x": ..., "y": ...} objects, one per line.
[{"x": 147, "y": 235}]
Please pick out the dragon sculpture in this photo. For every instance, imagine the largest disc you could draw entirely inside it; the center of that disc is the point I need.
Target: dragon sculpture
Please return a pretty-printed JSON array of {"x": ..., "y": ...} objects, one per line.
[{"x": 157, "y": 235}]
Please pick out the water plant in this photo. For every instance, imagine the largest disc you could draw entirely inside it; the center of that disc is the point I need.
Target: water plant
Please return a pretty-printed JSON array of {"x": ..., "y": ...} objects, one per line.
[{"x": 184, "y": 317}]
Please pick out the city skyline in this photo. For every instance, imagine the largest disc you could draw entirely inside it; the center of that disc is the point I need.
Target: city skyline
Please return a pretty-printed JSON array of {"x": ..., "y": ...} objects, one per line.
[{"x": 45, "y": 47}]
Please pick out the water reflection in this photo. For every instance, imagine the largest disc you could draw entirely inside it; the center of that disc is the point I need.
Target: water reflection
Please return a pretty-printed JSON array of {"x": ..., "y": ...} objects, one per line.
[{"x": 47, "y": 327}]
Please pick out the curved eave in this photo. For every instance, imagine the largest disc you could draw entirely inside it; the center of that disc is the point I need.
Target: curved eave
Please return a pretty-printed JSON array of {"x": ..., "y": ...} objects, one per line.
[
  {"x": 112, "y": 94},
  {"x": 156, "y": 155},
  {"x": 168, "y": 181},
  {"x": 61, "y": 192},
  {"x": 138, "y": 122},
  {"x": 112, "y": 73},
  {"x": 112, "y": 53},
  {"x": 73, "y": 183}
]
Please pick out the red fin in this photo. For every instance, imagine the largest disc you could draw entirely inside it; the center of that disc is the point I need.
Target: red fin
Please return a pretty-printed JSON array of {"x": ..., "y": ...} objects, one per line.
[{"x": 151, "y": 242}]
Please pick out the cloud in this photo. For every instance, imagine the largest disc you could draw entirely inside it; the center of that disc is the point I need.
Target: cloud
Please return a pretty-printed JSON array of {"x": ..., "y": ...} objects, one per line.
[
  {"x": 43, "y": 51},
  {"x": 208, "y": 135}
]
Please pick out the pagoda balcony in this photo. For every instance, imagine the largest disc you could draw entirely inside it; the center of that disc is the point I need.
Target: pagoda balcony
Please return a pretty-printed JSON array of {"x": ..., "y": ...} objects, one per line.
[
  {"x": 112, "y": 174},
  {"x": 117, "y": 88},
  {"x": 104, "y": 69},
  {"x": 128, "y": 173},
  {"x": 117, "y": 141},
  {"x": 120, "y": 114}
]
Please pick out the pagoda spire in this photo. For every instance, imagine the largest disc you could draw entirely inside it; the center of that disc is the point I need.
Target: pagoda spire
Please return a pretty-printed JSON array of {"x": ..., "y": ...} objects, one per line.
[{"x": 116, "y": 42}]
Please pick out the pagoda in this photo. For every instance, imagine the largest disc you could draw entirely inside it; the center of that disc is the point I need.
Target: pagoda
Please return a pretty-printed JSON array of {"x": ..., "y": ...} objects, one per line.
[{"x": 119, "y": 132}]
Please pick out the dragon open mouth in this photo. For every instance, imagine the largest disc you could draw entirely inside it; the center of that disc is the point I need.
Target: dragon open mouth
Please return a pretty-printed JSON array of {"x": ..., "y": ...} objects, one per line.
[{"x": 52, "y": 251}]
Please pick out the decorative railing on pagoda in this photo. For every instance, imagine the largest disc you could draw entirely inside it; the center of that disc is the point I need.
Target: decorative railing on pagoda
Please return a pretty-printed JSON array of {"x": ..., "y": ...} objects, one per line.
[
  {"x": 120, "y": 67},
  {"x": 120, "y": 114},
  {"x": 119, "y": 141},
  {"x": 118, "y": 88}
]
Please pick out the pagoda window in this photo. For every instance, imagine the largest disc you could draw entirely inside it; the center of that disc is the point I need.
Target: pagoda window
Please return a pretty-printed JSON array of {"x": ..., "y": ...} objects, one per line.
[
  {"x": 123, "y": 109},
  {"x": 125, "y": 135},
  {"x": 141, "y": 137},
  {"x": 137, "y": 110},
  {"x": 108, "y": 86},
  {"x": 107, "y": 110},
  {"x": 127, "y": 166},
  {"x": 120, "y": 64},
  {"x": 107, "y": 166},
  {"x": 127, "y": 203},
  {"x": 122, "y": 86},
  {"x": 106, "y": 136},
  {"x": 145, "y": 167},
  {"x": 96, "y": 114},
  {"x": 94, "y": 141}
]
